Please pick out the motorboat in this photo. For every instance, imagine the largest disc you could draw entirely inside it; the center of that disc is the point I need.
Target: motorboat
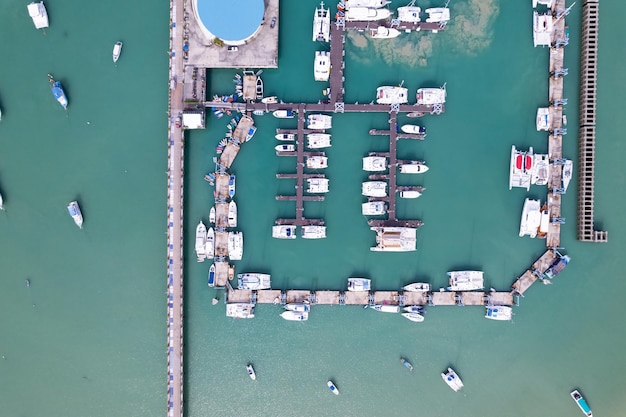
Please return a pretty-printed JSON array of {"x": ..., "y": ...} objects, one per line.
[
  {"x": 374, "y": 189},
  {"x": 201, "y": 241},
  {"x": 373, "y": 4},
  {"x": 1, "y": 202},
  {"x": 317, "y": 185},
  {"x": 117, "y": 50},
  {"x": 318, "y": 140},
  {"x": 75, "y": 213},
  {"x": 367, "y": 14},
  {"x": 466, "y": 280},
  {"x": 415, "y": 317},
  {"x": 566, "y": 173},
  {"x": 332, "y": 387},
  {"x": 413, "y": 168},
  {"x": 395, "y": 239},
  {"x": 409, "y": 13},
  {"x": 269, "y": 100},
  {"x": 211, "y": 278},
  {"x": 321, "y": 67},
  {"x": 313, "y": 232},
  {"x": 502, "y": 313},
  {"x": 57, "y": 91},
  {"x": 541, "y": 169},
  {"x": 250, "y": 133},
  {"x": 295, "y": 315},
  {"x": 531, "y": 218},
  {"x": 383, "y": 32},
  {"x": 386, "y": 308},
  {"x": 374, "y": 208},
  {"x": 414, "y": 309},
  {"x": 27, "y": 282},
  {"x": 522, "y": 165},
  {"x": 319, "y": 121},
  {"x": 557, "y": 266},
  {"x": 235, "y": 245},
  {"x": 283, "y": 114},
  {"x": 417, "y": 287},
  {"x": 581, "y": 402},
  {"x": 543, "y": 26},
  {"x": 375, "y": 163},
  {"x": 232, "y": 214},
  {"x": 285, "y": 148},
  {"x": 286, "y": 136},
  {"x": 431, "y": 96},
  {"x": 284, "y": 231},
  {"x": 39, "y": 14},
  {"x": 251, "y": 372},
  {"x": 544, "y": 120},
  {"x": 392, "y": 95},
  {"x": 231, "y": 186},
  {"x": 359, "y": 284},
  {"x": 406, "y": 364},
  {"x": 212, "y": 215},
  {"x": 409, "y": 193},
  {"x": 298, "y": 307},
  {"x": 240, "y": 310},
  {"x": 209, "y": 245},
  {"x": 254, "y": 281},
  {"x": 438, "y": 15},
  {"x": 547, "y": 3},
  {"x": 321, "y": 24},
  {"x": 259, "y": 88},
  {"x": 317, "y": 162},
  {"x": 452, "y": 379},
  {"x": 413, "y": 129}
]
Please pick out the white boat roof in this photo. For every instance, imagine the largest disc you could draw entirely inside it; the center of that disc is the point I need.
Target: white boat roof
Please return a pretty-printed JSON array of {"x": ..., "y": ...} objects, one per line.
[
  {"x": 438, "y": 14},
  {"x": 39, "y": 14},
  {"x": 321, "y": 68},
  {"x": 542, "y": 29},
  {"x": 431, "y": 96}
]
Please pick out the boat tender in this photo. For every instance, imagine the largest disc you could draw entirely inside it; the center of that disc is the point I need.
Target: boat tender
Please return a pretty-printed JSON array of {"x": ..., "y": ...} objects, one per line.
[
  {"x": 254, "y": 281},
  {"x": 582, "y": 404},
  {"x": 39, "y": 14},
  {"x": 499, "y": 313},
  {"x": 284, "y": 231},
  {"x": 321, "y": 68},
  {"x": 76, "y": 214},
  {"x": 392, "y": 95},
  {"x": 359, "y": 284},
  {"x": 117, "y": 50},
  {"x": 452, "y": 379},
  {"x": 406, "y": 364},
  {"x": 466, "y": 280},
  {"x": 374, "y": 208},
  {"x": 313, "y": 232},
  {"x": 374, "y": 189}
]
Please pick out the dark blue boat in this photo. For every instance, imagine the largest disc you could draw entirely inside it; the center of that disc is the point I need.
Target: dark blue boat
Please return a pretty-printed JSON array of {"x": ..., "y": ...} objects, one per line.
[{"x": 57, "y": 91}]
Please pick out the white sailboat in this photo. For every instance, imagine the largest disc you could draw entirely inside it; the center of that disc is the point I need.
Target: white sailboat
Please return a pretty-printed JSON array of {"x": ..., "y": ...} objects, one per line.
[
  {"x": 415, "y": 317},
  {"x": 317, "y": 185},
  {"x": 317, "y": 162},
  {"x": 567, "y": 173},
  {"x": 543, "y": 26},
  {"x": 254, "y": 281},
  {"x": 466, "y": 280},
  {"x": 240, "y": 310},
  {"x": 321, "y": 24},
  {"x": 522, "y": 164},
  {"x": 373, "y": 4},
  {"x": 417, "y": 287},
  {"x": 431, "y": 96},
  {"x": 235, "y": 245},
  {"x": 452, "y": 379},
  {"x": 319, "y": 121}
]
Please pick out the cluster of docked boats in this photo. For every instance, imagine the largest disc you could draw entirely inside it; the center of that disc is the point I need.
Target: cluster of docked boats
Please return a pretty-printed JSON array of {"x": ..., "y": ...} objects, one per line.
[
  {"x": 387, "y": 94},
  {"x": 372, "y": 10}
]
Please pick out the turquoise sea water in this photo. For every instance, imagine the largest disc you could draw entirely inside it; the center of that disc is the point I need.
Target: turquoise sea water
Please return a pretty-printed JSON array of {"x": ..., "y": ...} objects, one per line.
[{"x": 88, "y": 336}]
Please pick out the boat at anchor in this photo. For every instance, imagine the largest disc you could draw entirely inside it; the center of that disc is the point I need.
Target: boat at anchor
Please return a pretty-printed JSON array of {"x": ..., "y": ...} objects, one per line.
[
  {"x": 581, "y": 402},
  {"x": 58, "y": 92},
  {"x": 76, "y": 214},
  {"x": 452, "y": 379},
  {"x": 383, "y": 32},
  {"x": 117, "y": 50},
  {"x": 251, "y": 372},
  {"x": 406, "y": 364},
  {"x": 39, "y": 14}
]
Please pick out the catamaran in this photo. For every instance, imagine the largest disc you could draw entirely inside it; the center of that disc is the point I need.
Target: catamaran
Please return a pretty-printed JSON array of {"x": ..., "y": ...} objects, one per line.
[
  {"x": 321, "y": 68},
  {"x": 117, "y": 50},
  {"x": 522, "y": 164},
  {"x": 313, "y": 232},
  {"x": 39, "y": 14},
  {"x": 284, "y": 231},
  {"x": 466, "y": 280},
  {"x": 431, "y": 96},
  {"x": 321, "y": 24},
  {"x": 254, "y": 281},
  {"x": 76, "y": 214},
  {"x": 383, "y": 32},
  {"x": 544, "y": 120},
  {"x": 318, "y": 140},
  {"x": 531, "y": 218},
  {"x": 359, "y": 284},
  {"x": 319, "y": 121},
  {"x": 232, "y": 214},
  {"x": 209, "y": 246},
  {"x": 392, "y": 95},
  {"x": 317, "y": 185},
  {"x": 582, "y": 404},
  {"x": 201, "y": 241},
  {"x": 235, "y": 245},
  {"x": 502, "y": 313},
  {"x": 374, "y": 208},
  {"x": 542, "y": 29},
  {"x": 394, "y": 239},
  {"x": 374, "y": 163},
  {"x": 374, "y": 189},
  {"x": 438, "y": 15},
  {"x": 57, "y": 91},
  {"x": 409, "y": 13},
  {"x": 240, "y": 310},
  {"x": 452, "y": 379},
  {"x": 317, "y": 162}
]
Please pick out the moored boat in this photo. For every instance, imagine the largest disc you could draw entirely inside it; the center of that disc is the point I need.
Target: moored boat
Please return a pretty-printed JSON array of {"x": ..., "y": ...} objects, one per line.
[
  {"x": 452, "y": 379},
  {"x": 438, "y": 15},
  {"x": 581, "y": 402},
  {"x": 413, "y": 168},
  {"x": 541, "y": 169},
  {"x": 417, "y": 287},
  {"x": 317, "y": 162},
  {"x": 431, "y": 96},
  {"x": 386, "y": 308},
  {"x": 313, "y": 232},
  {"x": 269, "y": 100},
  {"x": 317, "y": 185},
  {"x": 319, "y": 121},
  {"x": 409, "y": 193},
  {"x": 521, "y": 168},
  {"x": 413, "y": 129},
  {"x": 318, "y": 140},
  {"x": 201, "y": 233},
  {"x": 373, "y": 208},
  {"x": 321, "y": 24},
  {"x": 117, "y": 50},
  {"x": 283, "y": 114},
  {"x": 466, "y": 280},
  {"x": 235, "y": 245},
  {"x": 374, "y": 163},
  {"x": 298, "y": 307},
  {"x": 566, "y": 175},
  {"x": 374, "y": 4},
  {"x": 295, "y": 315},
  {"x": 543, "y": 26},
  {"x": 76, "y": 214},
  {"x": 212, "y": 215},
  {"x": 211, "y": 278},
  {"x": 414, "y": 309},
  {"x": 321, "y": 67},
  {"x": 367, "y": 14},
  {"x": 374, "y": 189},
  {"x": 414, "y": 317},
  {"x": 285, "y": 148},
  {"x": 502, "y": 313},
  {"x": 284, "y": 231},
  {"x": 544, "y": 120},
  {"x": 409, "y": 13},
  {"x": 406, "y": 364},
  {"x": 231, "y": 186},
  {"x": 557, "y": 266},
  {"x": 383, "y": 32},
  {"x": 395, "y": 239},
  {"x": 359, "y": 284},
  {"x": 259, "y": 88},
  {"x": 285, "y": 136},
  {"x": 58, "y": 92},
  {"x": 332, "y": 387},
  {"x": 250, "y": 133},
  {"x": 251, "y": 372},
  {"x": 240, "y": 310},
  {"x": 392, "y": 95},
  {"x": 254, "y": 281},
  {"x": 39, "y": 14},
  {"x": 232, "y": 214},
  {"x": 209, "y": 246}
]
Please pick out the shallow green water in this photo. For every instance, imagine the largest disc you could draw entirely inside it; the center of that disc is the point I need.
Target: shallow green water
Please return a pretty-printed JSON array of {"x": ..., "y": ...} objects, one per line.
[{"x": 94, "y": 344}]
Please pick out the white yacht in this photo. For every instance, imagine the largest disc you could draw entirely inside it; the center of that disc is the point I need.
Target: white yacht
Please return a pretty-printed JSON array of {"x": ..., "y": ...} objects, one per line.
[
  {"x": 452, "y": 379},
  {"x": 321, "y": 24},
  {"x": 299, "y": 307},
  {"x": 409, "y": 13},
  {"x": 240, "y": 310},
  {"x": 392, "y": 95},
  {"x": 318, "y": 140},
  {"x": 284, "y": 231},
  {"x": 531, "y": 218},
  {"x": 319, "y": 121},
  {"x": 231, "y": 186},
  {"x": 413, "y": 129},
  {"x": 499, "y": 313},
  {"x": 359, "y": 284},
  {"x": 75, "y": 212},
  {"x": 375, "y": 163},
  {"x": 211, "y": 277},
  {"x": 39, "y": 14},
  {"x": 367, "y": 14},
  {"x": 295, "y": 315},
  {"x": 374, "y": 208},
  {"x": 395, "y": 239},
  {"x": 431, "y": 96},
  {"x": 321, "y": 68},
  {"x": 235, "y": 245},
  {"x": 383, "y": 32},
  {"x": 566, "y": 173},
  {"x": 317, "y": 162},
  {"x": 254, "y": 281},
  {"x": 409, "y": 193},
  {"x": 212, "y": 215},
  {"x": 251, "y": 372},
  {"x": 317, "y": 185},
  {"x": 413, "y": 168},
  {"x": 438, "y": 15},
  {"x": 541, "y": 169},
  {"x": 286, "y": 136},
  {"x": 544, "y": 120},
  {"x": 117, "y": 50},
  {"x": 285, "y": 148},
  {"x": 416, "y": 317},
  {"x": 374, "y": 189},
  {"x": 313, "y": 232},
  {"x": 466, "y": 280},
  {"x": 373, "y": 4},
  {"x": 542, "y": 29},
  {"x": 283, "y": 114},
  {"x": 201, "y": 241},
  {"x": 209, "y": 245},
  {"x": 269, "y": 100},
  {"x": 521, "y": 168},
  {"x": 417, "y": 287},
  {"x": 386, "y": 308},
  {"x": 232, "y": 214}
]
